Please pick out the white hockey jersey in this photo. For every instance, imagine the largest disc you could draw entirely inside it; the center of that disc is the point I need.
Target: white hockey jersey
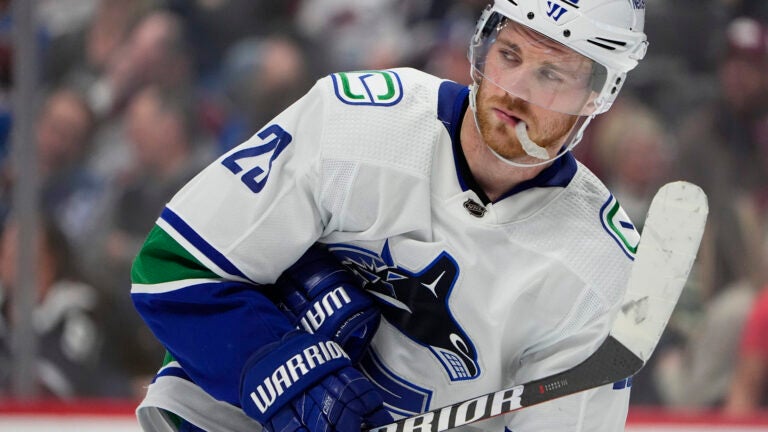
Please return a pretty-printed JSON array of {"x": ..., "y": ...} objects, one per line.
[{"x": 476, "y": 296}]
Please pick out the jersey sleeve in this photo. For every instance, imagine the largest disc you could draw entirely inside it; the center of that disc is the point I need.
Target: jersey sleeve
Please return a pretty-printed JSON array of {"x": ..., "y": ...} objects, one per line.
[{"x": 201, "y": 280}]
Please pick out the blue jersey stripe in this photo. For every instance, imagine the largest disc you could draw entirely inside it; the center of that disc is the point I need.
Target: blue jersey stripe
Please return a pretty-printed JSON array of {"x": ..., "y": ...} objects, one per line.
[{"x": 198, "y": 242}]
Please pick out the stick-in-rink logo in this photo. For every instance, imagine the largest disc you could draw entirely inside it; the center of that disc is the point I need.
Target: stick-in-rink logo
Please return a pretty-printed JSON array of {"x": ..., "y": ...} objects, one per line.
[{"x": 377, "y": 88}]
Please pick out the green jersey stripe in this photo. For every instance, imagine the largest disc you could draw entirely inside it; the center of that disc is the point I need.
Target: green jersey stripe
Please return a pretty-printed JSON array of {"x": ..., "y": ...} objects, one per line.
[{"x": 162, "y": 259}]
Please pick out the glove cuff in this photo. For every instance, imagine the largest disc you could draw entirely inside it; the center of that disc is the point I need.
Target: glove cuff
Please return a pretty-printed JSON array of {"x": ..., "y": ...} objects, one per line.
[{"x": 282, "y": 370}]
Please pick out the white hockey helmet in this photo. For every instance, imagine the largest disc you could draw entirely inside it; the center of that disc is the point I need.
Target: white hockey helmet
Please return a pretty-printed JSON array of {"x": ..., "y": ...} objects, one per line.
[{"x": 607, "y": 32}]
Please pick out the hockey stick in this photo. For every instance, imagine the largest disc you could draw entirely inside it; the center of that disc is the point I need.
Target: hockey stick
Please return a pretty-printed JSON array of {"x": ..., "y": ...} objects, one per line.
[{"x": 668, "y": 246}]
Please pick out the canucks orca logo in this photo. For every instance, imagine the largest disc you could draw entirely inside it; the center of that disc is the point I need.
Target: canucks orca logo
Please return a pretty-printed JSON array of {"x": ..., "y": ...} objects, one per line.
[
  {"x": 617, "y": 224},
  {"x": 417, "y": 304}
]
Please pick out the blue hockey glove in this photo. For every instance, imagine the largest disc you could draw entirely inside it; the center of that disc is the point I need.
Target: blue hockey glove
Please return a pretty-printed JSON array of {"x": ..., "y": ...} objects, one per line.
[
  {"x": 321, "y": 296},
  {"x": 305, "y": 382}
]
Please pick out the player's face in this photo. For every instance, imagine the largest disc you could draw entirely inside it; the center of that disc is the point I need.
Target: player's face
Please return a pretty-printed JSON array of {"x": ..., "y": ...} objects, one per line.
[{"x": 521, "y": 67}]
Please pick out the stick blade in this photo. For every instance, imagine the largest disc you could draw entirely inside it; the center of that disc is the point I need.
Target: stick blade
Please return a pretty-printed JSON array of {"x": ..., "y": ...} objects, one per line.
[{"x": 668, "y": 247}]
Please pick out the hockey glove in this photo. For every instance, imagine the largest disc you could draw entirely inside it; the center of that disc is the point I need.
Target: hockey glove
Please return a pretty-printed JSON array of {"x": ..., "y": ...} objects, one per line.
[
  {"x": 306, "y": 382},
  {"x": 321, "y": 296}
]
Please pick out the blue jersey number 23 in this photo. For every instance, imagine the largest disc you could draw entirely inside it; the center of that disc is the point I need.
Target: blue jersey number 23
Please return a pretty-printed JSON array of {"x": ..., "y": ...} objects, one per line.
[{"x": 274, "y": 139}]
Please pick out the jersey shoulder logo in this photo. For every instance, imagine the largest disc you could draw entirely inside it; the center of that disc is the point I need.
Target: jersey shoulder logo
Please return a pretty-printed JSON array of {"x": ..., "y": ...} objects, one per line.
[
  {"x": 617, "y": 224},
  {"x": 416, "y": 303},
  {"x": 372, "y": 88}
]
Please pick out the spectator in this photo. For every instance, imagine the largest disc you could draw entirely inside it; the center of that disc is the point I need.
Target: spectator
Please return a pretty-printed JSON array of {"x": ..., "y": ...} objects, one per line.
[
  {"x": 80, "y": 58},
  {"x": 749, "y": 388},
  {"x": 262, "y": 76},
  {"x": 69, "y": 190},
  {"x": 448, "y": 58},
  {"x": 721, "y": 151},
  {"x": 65, "y": 319},
  {"x": 635, "y": 152},
  {"x": 694, "y": 364},
  {"x": 64, "y": 24},
  {"x": 241, "y": 45},
  {"x": 754, "y": 8},
  {"x": 213, "y": 27},
  {"x": 164, "y": 156},
  {"x": 356, "y": 35},
  {"x": 678, "y": 73},
  {"x": 153, "y": 53}
]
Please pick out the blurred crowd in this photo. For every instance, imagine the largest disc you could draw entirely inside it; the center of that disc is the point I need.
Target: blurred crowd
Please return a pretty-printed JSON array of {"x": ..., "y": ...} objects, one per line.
[{"x": 136, "y": 96}]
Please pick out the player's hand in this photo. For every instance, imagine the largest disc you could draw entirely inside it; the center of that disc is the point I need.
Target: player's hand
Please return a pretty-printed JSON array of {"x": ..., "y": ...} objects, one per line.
[
  {"x": 321, "y": 296},
  {"x": 306, "y": 383}
]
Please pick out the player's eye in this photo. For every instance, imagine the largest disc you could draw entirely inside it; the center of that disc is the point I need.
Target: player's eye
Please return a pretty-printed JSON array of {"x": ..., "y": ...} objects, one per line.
[
  {"x": 550, "y": 75},
  {"x": 509, "y": 57}
]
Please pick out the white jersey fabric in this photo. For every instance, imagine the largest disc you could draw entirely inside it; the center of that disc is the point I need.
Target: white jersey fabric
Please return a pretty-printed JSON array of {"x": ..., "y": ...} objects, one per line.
[{"x": 476, "y": 296}]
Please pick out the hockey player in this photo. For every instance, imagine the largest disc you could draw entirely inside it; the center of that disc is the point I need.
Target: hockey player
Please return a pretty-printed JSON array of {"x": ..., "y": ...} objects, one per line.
[{"x": 492, "y": 255}]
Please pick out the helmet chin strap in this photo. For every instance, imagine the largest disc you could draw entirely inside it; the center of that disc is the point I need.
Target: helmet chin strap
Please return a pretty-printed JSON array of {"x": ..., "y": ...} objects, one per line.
[{"x": 521, "y": 131}]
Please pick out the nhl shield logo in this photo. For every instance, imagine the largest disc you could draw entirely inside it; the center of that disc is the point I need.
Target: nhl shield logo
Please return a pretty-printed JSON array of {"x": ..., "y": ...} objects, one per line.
[
  {"x": 474, "y": 208},
  {"x": 617, "y": 224},
  {"x": 376, "y": 88}
]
